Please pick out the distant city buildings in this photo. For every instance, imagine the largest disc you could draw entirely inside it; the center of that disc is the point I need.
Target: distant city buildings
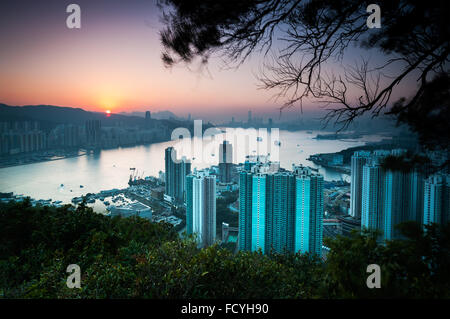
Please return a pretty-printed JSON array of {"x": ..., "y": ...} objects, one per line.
[
  {"x": 18, "y": 137},
  {"x": 149, "y": 123},
  {"x": 21, "y": 137},
  {"x": 280, "y": 210},
  {"x": 175, "y": 174},
  {"x": 201, "y": 207},
  {"x": 93, "y": 133}
]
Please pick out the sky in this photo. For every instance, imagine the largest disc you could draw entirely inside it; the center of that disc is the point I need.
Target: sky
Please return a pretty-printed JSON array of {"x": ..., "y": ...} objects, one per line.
[{"x": 113, "y": 63}]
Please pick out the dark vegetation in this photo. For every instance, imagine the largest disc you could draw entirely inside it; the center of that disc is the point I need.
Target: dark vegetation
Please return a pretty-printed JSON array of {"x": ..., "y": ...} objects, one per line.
[{"x": 133, "y": 258}]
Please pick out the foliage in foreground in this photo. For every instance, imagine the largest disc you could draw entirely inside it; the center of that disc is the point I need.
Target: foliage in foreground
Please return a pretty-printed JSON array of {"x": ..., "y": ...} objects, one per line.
[{"x": 133, "y": 258}]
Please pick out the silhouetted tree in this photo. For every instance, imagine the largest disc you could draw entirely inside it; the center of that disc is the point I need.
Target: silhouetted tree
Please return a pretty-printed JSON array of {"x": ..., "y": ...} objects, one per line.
[{"x": 309, "y": 33}]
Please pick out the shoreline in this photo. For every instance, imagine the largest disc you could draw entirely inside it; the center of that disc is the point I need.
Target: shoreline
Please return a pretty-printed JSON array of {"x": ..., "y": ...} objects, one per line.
[
  {"x": 77, "y": 155},
  {"x": 42, "y": 161}
]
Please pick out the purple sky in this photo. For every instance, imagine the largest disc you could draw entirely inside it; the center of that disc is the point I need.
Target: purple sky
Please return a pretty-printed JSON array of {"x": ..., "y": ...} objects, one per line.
[{"x": 113, "y": 63}]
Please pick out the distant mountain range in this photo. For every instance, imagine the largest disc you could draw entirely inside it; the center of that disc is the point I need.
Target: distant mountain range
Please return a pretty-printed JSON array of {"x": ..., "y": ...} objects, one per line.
[
  {"x": 50, "y": 115},
  {"x": 56, "y": 114}
]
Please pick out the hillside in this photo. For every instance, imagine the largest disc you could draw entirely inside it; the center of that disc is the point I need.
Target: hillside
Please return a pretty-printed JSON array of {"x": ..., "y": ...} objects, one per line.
[
  {"x": 134, "y": 258},
  {"x": 50, "y": 115}
]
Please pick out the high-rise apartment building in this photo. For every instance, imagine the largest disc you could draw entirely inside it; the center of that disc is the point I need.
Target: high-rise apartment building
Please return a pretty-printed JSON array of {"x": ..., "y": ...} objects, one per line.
[
  {"x": 358, "y": 160},
  {"x": 372, "y": 195},
  {"x": 175, "y": 175},
  {"x": 395, "y": 202},
  {"x": 280, "y": 210},
  {"x": 415, "y": 193},
  {"x": 201, "y": 207},
  {"x": 436, "y": 199},
  {"x": 390, "y": 197},
  {"x": 308, "y": 211},
  {"x": 245, "y": 209},
  {"x": 225, "y": 162}
]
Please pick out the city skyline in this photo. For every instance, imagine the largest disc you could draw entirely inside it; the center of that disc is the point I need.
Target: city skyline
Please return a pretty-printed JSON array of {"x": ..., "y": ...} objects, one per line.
[{"x": 234, "y": 150}]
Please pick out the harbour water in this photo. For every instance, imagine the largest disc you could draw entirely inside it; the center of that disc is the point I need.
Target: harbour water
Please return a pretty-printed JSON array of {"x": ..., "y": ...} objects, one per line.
[{"x": 107, "y": 169}]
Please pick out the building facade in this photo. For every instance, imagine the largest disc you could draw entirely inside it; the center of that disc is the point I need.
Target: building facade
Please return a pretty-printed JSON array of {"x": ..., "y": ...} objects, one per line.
[
  {"x": 175, "y": 175},
  {"x": 225, "y": 162},
  {"x": 358, "y": 160},
  {"x": 390, "y": 197},
  {"x": 280, "y": 210},
  {"x": 436, "y": 199},
  {"x": 201, "y": 207}
]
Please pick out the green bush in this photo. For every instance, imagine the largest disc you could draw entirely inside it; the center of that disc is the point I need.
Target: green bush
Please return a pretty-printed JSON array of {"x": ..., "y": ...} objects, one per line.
[{"x": 134, "y": 258}]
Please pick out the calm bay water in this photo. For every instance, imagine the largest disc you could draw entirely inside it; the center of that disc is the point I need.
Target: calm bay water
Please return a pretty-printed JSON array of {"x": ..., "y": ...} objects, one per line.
[{"x": 108, "y": 169}]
